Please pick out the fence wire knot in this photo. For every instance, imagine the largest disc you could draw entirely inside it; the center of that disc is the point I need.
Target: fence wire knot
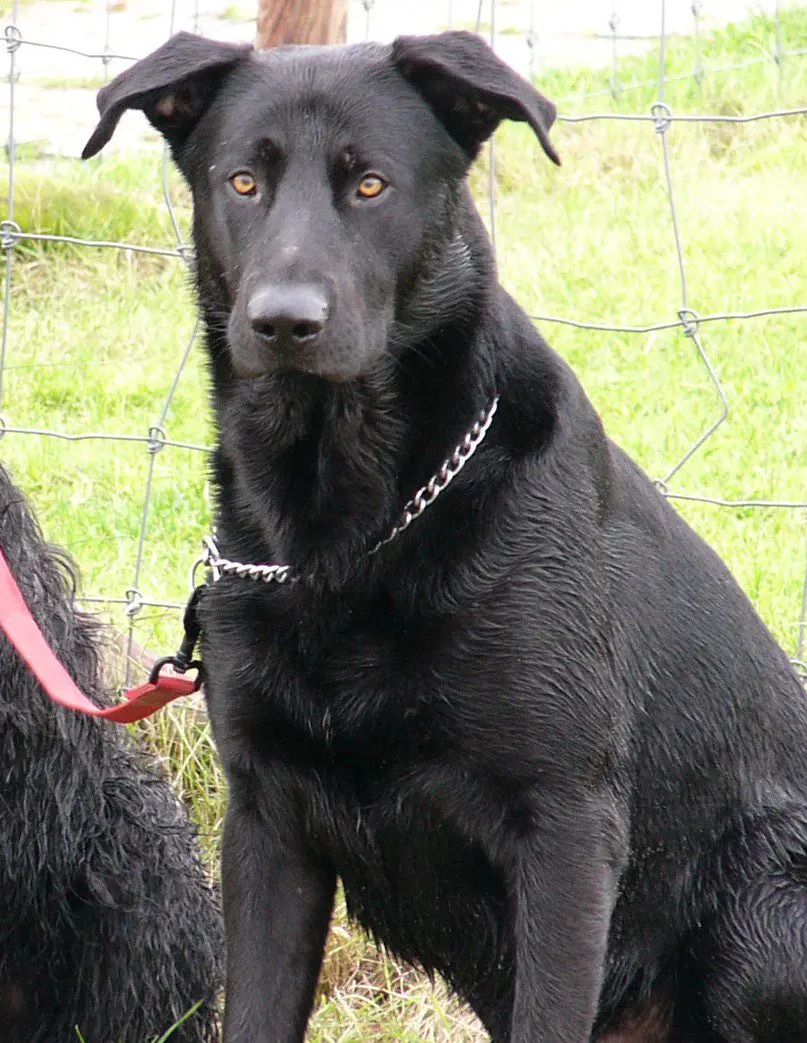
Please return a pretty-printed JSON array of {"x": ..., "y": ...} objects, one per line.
[
  {"x": 613, "y": 24},
  {"x": 368, "y": 5},
  {"x": 157, "y": 439},
  {"x": 696, "y": 9},
  {"x": 13, "y": 38},
  {"x": 134, "y": 602},
  {"x": 690, "y": 322},
  {"x": 10, "y": 233},
  {"x": 2, "y": 426},
  {"x": 662, "y": 117}
]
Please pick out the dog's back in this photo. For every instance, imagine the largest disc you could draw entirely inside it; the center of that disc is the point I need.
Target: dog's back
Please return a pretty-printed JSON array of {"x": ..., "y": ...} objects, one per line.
[{"x": 107, "y": 924}]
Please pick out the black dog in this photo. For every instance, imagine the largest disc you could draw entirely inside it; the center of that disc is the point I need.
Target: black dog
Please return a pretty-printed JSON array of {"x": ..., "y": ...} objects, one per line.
[
  {"x": 539, "y": 733},
  {"x": 107, "y": 925}
]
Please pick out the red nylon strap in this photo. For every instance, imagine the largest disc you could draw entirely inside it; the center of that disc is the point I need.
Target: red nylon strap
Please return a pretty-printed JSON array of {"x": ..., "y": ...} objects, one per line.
[{"x": 21, "y": 629}]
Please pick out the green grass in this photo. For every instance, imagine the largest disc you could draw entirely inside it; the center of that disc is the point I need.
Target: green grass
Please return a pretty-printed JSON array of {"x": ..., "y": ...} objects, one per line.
[
  {"x": 65, "y": 83},
  {"x": 95, "y": 337},
  {"x": 751, "y": 87}
]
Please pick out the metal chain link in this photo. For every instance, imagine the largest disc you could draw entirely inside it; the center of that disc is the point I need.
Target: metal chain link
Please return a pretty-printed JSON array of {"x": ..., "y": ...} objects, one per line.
[
  {"x": 220, "y": 566},
  {"x": 449, "y": 470},
  {"x": 423, "y": 498}
]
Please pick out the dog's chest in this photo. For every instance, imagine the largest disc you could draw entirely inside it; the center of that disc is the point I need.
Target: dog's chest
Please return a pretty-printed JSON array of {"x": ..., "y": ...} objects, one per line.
[
  {"x": 335, "y": 681},
  {"x": 385, "y": 690}
]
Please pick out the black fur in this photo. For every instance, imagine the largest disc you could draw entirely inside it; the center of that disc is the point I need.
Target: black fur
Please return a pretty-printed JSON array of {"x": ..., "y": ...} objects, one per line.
[
  {"x": 542, "y": 737},
  {"x": 107, "y": 924}
]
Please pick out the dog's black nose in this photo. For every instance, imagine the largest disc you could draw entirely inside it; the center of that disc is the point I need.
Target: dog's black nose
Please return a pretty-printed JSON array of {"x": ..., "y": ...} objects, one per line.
[{"x": 288, "y": 314}]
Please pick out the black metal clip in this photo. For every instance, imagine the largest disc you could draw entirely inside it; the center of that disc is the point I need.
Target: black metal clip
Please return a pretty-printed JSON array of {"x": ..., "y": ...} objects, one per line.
[{"x": 182, "y": 660}]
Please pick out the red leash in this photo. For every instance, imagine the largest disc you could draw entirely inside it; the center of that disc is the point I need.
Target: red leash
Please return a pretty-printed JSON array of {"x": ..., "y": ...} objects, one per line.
[{"x": 21, "y": 629}]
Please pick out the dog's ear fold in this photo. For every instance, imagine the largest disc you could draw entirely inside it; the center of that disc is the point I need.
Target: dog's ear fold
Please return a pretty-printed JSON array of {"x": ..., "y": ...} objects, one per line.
[
  {"x": 172, "y": 86},
  {"x": 470, "y": 89}
]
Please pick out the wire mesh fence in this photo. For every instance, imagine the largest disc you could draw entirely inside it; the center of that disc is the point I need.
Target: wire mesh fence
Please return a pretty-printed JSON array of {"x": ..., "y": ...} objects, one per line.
[{"x": 603, "y": 34}]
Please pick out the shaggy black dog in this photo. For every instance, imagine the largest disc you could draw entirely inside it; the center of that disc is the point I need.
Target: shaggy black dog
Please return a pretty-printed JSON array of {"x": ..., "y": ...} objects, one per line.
[
  {"x": 539, "y": 732},
  {"x": 107, "y": 923}
]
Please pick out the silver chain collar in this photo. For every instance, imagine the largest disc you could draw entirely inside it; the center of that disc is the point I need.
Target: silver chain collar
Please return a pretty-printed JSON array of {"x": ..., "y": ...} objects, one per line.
[{"x": 423, "y": 498}]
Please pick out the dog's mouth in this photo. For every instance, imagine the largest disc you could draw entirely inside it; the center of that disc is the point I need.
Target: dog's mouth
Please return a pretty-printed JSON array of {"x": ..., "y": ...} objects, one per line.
[
  {"x": 333, "y": 375},
  {"x": 253, "y": 360}
]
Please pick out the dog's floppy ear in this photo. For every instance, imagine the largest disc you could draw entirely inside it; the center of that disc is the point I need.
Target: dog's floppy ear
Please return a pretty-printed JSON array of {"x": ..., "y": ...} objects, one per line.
[
  {"x": 172, "y": 86},
  {"x": 470, "y": 89}
]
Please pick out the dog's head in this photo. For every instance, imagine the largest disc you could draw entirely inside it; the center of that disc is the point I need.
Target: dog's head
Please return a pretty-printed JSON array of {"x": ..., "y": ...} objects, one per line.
[{"x": 325, "y": 182}]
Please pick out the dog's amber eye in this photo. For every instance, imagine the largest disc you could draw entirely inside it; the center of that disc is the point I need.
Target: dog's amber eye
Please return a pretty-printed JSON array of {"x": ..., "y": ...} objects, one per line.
[
  {"x": 244, "y": 183},
  {"x": 370, "y": 186}
]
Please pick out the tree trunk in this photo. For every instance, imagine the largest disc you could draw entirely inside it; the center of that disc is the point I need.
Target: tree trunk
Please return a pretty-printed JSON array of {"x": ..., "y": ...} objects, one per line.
[{"x": 301, "y": 21}]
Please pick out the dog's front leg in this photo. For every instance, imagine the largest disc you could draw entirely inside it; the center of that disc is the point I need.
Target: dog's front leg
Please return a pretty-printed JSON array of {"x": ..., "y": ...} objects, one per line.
[
  {"x": 277, "y": 905},
  {"x": 563, "y": 890}
]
